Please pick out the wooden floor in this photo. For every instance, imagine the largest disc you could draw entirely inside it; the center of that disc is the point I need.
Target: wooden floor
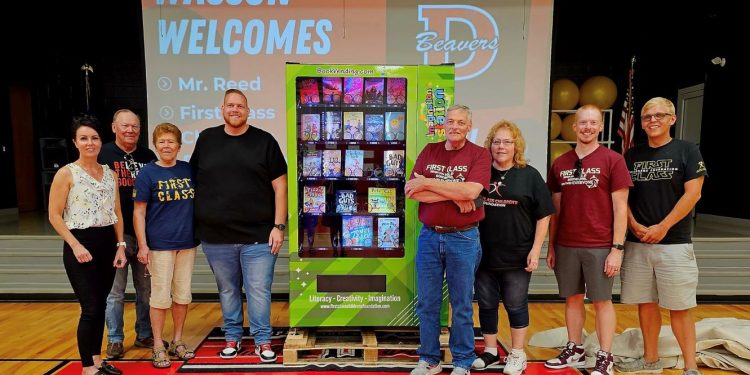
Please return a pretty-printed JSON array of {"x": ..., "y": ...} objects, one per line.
[{"x": 35, "y": 336}]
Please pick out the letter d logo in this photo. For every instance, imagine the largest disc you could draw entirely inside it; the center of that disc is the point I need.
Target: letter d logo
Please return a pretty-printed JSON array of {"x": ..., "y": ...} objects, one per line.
[{"x": 436, "y": 42}]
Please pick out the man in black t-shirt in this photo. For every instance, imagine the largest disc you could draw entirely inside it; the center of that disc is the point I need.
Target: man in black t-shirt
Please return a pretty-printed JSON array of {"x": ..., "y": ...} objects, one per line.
[
  {"x": 240, "y": 217},
  {"x": 659, "y": 268},
  {"x": 125, "y": 158}
]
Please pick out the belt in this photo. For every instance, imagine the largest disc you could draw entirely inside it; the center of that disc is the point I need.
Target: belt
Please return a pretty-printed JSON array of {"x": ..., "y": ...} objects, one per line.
[{"x": 441, "y": 229}]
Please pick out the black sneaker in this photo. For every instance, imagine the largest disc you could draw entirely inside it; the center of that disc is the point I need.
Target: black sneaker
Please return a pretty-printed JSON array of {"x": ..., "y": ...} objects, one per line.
[
  {"x": 231, "y": 349},
  {"x": 109, "y": 369},
  {"x": 265, "y": 353},
  {"x": 485, "y": 359}
]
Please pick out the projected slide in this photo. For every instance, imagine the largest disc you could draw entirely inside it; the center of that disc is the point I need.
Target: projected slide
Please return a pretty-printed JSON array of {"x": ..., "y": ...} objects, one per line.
[{"x": 195, "y": 50}]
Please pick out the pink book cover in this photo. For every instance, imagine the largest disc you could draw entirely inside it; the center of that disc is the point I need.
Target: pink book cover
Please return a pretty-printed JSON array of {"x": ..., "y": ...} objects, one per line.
[
  {"x": 353, "y": 87},
  {"x": 396, "y": 91},
  {"x": 332, "y": 90}
]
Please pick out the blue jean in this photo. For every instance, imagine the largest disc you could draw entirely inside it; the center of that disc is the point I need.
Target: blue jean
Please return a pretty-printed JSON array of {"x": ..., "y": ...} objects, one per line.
[
  {"x": 116, "y": 298},
  {"x": 512, "y": 286},
  {"x": 455, "y": 255},
  {"x": 243, "y": 265}
]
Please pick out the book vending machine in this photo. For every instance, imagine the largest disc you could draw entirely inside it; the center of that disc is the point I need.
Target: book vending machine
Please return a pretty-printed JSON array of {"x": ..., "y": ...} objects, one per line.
[{"x": 353, "y": 134}]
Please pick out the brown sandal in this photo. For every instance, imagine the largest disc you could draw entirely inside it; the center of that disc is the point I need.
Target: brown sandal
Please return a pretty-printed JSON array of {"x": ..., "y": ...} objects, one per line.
[
  {"x": 184, "y": 353},
  {"x": 158, "y": 360}
]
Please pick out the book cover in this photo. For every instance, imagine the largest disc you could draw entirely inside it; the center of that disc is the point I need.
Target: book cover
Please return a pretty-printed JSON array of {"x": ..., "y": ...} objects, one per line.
[
  {"x": 374, "y": 127},
  {"x": 314, "y": 199},
  {"x": 381, "y": 200},
  {"x": 353, "y": 87},
  {"x": 393, "y": 163},
  {"x": 308, "y": 91},
  {"x": 310, "y": 127},
  {"x": 388, "y": 232},
  {"x": 356, "y": 231},
  {"x": 396, "y": 91},
  {"x": 332, "y": 90},
  {"x": 374, "y": 90},
  {"x": 312, "y": 164},
  {"x": 331, "y": 163},
  {"x": 353, "y": 163},
  {"x": 346, "y": 201},
  {"x": 331, "y": 126},
  {"x": 394, "y": 126},
  {"x": 354, "y": 126}
]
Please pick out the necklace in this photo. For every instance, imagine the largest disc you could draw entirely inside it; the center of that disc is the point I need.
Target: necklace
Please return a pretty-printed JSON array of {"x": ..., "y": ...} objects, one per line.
[{"x": 505, "y": 172}]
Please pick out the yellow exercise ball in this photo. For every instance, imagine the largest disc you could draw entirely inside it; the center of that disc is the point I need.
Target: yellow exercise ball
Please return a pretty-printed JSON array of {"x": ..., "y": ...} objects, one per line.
[
  {"x": 555, "y": 124},
  {"x": 566, "y": 128},
  {"x": 564, "y": 94},
  {"x": 557, "y": 149},
  {"x": 599, "y": 91}
]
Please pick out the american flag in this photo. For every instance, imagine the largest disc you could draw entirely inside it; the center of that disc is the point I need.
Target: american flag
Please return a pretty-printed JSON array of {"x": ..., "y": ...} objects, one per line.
[{"x": 627, "y": 119}]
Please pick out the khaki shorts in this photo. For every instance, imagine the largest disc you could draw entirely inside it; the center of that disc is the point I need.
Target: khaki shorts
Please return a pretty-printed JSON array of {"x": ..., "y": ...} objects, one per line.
[
  {"x": 171, "y": 277},
  {"x": 581, "y": 270},
  {"x": 667, "y": 274}
]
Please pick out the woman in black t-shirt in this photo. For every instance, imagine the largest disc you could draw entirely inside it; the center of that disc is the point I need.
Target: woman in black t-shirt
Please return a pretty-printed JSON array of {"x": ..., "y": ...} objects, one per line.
[{"x": 517, "y": 211}]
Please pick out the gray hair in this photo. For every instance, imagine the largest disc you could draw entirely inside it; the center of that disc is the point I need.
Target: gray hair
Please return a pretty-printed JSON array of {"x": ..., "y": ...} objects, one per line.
[{"x": 460, "y": 107}]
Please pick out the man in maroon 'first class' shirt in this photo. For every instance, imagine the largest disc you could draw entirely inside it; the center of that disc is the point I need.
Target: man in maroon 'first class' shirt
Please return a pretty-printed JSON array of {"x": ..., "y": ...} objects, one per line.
[{"x": 447, "y": 178}]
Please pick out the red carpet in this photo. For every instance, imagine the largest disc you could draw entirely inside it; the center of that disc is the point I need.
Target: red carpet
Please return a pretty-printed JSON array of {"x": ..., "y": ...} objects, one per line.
[{"x": 207, "y": 361}]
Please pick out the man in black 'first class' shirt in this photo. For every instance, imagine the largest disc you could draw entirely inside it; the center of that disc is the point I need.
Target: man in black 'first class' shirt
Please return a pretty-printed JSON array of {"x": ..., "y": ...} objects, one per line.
[
  {"x": 125, "y": 158},
  {"x": 659, "y": 268}
]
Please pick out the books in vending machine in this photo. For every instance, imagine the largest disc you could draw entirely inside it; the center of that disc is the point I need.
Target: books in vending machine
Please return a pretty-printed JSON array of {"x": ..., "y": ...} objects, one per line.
[{"x": 354, "y": 132}]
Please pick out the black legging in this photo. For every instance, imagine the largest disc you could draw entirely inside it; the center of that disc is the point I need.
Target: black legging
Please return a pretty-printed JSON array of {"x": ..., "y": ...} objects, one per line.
[{"x": 91, "y": 282}]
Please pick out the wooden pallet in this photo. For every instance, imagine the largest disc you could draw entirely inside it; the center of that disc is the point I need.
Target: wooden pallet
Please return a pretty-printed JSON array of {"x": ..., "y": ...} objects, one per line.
[{"x": 366, "y": 346}]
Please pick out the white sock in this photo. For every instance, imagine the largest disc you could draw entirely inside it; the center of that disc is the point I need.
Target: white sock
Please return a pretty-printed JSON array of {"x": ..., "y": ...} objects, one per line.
[
  {"x": 492, "y": 351},
  {"x": 517, "y": 351}
]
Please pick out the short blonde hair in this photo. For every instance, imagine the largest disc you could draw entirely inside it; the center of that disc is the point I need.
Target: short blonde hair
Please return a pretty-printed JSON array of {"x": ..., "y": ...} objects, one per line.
[
  {"x": 167, "y": 128},
  {"x": 518, "y": 158},
  {"x": 653, "y": 102}
]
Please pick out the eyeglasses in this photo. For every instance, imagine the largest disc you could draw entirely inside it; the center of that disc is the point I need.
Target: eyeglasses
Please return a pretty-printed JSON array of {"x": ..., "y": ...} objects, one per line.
[
  {"x": 658, "y": 116},
  {"x": 579, "y": 168},
  {"x": 131, "y": 165},
  {"x": 506, "y": 142}
]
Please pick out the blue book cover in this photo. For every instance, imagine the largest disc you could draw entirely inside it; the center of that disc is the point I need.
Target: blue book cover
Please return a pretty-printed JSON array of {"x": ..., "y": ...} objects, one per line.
[
  {"x": 395, "y": 126},
  {"x": 388, "y": 232},
  {"x": 374, "y": 127},
  {"x": 356, "y": 231}
]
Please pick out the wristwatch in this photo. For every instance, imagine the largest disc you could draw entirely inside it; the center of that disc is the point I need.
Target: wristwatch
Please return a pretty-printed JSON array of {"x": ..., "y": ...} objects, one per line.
[
  {"x": 280, "y": 227},
  {"x": 123, "y": 244},
  {"x": 618, "y": 246}
]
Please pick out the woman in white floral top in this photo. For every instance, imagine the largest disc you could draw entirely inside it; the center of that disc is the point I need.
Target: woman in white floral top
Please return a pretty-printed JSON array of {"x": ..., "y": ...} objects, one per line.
[{"x": 84, "y": 209}]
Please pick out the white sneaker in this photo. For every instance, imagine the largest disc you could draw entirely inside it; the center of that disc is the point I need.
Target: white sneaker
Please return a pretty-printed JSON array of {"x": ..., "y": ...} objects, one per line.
[
  {"x": 460, "y": 371},
  {"x": 424, "y": 368},
  {"x": 516, "y": 363}
]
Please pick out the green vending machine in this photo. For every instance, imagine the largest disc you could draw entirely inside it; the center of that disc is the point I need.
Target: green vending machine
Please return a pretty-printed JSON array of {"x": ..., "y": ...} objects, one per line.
[{"x": 353, "y": 135}]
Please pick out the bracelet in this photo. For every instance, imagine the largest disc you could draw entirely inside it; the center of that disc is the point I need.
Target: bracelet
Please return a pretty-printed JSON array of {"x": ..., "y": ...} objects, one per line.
[{"x": 123, "y": 244}]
